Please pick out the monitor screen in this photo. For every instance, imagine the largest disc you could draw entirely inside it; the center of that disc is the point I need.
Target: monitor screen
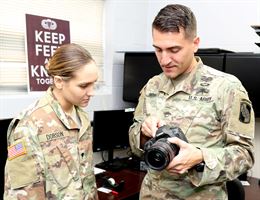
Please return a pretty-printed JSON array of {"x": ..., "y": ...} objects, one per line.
[
  {"x": 110, "y": 129},
  {"x": 139, "y": 67},
  {"x": 246, "y": 67},
  {"x": 4, "y": 124}
]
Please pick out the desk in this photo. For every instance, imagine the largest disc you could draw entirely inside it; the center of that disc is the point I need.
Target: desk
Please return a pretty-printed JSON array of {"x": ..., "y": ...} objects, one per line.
[
  {"x": 252, "y": 192},
  {"x": 133, "y": 180}
]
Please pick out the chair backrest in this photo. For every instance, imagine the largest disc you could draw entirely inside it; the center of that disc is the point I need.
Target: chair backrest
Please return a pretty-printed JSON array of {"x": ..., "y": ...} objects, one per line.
[{"x": 235, "y": 190}]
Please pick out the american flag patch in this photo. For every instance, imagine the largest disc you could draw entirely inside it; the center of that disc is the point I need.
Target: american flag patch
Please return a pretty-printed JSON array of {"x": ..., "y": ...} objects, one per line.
[{"x": 16, "y": 150}]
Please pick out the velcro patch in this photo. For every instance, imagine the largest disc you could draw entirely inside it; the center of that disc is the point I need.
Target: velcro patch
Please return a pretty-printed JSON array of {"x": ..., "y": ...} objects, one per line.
[
  {"x": 245, "y": 112},
  {"x": 16, "y": 150}
]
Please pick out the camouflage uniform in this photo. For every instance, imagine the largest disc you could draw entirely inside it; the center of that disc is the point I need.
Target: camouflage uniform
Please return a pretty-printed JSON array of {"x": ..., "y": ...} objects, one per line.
[
  {"x": 53, "y": 156},
  {"x": 213, "y": 110}
]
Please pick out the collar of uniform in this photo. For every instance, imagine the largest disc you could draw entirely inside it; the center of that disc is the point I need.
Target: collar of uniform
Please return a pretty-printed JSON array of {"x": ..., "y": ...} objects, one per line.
[
  {"x": 184, "y": 83},
  {"x": 85, "y": 123},
  {"x": 58, "y": 110}
]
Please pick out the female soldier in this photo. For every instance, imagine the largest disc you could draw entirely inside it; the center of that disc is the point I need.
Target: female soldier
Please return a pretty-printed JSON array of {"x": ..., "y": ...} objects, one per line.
[{"x": 50, "y": 143}]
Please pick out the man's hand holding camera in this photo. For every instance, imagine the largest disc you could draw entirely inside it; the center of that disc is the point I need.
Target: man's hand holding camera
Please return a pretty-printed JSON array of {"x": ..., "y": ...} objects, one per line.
[
  {"x": 187, "y": 157},
  {"x": 167, "y": 148},
  {"x": 150, "y": 126}
]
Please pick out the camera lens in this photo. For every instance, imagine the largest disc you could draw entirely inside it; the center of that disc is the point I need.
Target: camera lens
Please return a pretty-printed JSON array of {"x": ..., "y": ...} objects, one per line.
[
  {"x": 156, "y": 159},
  {"x": 159, "y": 155}
]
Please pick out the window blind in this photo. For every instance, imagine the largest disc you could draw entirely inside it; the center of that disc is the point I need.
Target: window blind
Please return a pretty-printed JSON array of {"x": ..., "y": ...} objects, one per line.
[{"x": 86, "y": 29}]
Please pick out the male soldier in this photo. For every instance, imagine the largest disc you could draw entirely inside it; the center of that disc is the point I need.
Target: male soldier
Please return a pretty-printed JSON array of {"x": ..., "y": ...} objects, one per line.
[{"x": 210, "y": 107}]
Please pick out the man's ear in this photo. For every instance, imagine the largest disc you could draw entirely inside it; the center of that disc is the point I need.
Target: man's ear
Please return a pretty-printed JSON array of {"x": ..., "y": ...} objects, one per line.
[
  {"x": 196, "y": 43},
  {"x": 58, "y": 82}
]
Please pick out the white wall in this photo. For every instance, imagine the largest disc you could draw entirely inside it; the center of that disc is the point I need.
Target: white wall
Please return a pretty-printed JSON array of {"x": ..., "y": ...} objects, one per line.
[{"x": 223, "y": 24}]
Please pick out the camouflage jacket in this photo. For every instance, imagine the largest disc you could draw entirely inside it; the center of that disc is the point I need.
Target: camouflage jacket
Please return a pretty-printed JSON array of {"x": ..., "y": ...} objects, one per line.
[
  {"x": 213, "y": 110},
  {"x": 49, "y": 155}
]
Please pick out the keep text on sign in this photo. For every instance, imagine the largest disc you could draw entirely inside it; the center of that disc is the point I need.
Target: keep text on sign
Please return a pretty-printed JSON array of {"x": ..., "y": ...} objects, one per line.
[{"x": 44, "y": 36}]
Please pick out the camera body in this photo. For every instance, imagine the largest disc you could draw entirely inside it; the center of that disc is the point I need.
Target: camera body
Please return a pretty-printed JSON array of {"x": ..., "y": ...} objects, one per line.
[{"x": 159, "y": 151}]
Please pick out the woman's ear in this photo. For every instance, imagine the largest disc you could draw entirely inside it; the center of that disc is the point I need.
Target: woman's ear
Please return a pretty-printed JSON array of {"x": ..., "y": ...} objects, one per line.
[{"x": 58, "y": 82}]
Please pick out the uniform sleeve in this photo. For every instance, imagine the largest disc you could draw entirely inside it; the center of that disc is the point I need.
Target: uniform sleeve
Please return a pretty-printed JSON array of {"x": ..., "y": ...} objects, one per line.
[
  {"x": 135, "y": 129},
  {"x": 236, "y": 157},
  {"x": 144, "y": 109},
  {"x": 23, "y": 178}
]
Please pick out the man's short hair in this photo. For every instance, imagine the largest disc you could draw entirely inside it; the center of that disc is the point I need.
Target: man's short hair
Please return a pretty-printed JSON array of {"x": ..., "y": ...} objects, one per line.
[{"x": 173, "y": 17}]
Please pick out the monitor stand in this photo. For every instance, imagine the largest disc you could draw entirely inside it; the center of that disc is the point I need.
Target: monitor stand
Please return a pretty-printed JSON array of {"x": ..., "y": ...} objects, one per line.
[{"x": 112, "y": 164}]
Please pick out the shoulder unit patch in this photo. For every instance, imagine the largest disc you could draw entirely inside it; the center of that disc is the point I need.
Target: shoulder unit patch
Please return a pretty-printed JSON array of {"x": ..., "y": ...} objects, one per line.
[{"x": 245, "y": 112}]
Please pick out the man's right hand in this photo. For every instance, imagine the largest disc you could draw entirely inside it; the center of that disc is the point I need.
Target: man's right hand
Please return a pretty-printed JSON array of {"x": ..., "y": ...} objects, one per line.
[{"x": 150, "y": 126}]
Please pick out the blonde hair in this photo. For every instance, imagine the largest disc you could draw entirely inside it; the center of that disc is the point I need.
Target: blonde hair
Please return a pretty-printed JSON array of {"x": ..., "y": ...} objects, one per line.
[{"x": 67, "y": 59}]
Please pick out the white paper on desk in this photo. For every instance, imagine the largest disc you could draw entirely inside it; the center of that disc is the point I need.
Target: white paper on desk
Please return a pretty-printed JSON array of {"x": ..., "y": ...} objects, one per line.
[
  {"x": 245, "y": 183},
  {"x": 98, "y": 170},
  {"x": 105, "y": 190}
]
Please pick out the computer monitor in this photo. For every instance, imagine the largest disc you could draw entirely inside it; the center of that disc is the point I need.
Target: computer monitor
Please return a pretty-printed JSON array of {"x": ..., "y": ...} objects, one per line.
[
  {"x": 110, "y": 131},
  {"x": 215, "y": 61},
  {"x": 139, "y": 67},
  {"x": 246, "y": 67},
  {"x": 4, "y": 124}
]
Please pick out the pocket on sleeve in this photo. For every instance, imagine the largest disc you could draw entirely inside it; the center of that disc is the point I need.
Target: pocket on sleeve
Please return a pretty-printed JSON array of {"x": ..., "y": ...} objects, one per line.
[{"x": 22, "y": 171}]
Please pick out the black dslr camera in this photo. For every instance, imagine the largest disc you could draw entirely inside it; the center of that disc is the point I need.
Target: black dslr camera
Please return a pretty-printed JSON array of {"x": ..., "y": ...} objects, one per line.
[{"x": 159, "y": 151}]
